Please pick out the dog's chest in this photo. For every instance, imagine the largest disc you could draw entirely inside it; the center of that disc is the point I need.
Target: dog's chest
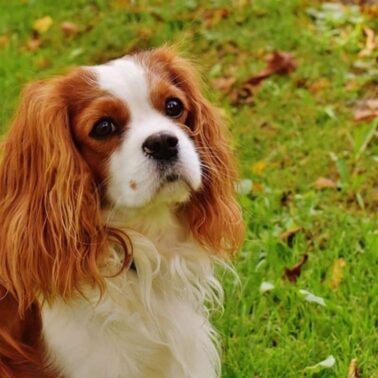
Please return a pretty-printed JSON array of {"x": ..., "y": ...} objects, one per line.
[{"x": 149, "y": 323}]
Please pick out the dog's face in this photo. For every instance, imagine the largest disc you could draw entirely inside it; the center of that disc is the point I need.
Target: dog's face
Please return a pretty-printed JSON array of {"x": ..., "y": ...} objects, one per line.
[
  {"x": 137, "y": 129},
  {"x": 129, "y": 133}
]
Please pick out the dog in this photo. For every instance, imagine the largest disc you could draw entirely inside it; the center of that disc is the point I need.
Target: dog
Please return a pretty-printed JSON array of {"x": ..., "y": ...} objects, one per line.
[{"x": 117, "y": 201}]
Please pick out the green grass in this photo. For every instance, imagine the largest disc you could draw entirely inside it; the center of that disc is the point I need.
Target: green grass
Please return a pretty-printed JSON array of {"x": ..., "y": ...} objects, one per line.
[{"x": 299, "y": 126}]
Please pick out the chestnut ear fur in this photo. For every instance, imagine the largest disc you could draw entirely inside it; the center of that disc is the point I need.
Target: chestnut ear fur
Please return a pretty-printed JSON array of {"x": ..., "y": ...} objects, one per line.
[
  {"x": 214, "y": 216},
  {"x": 51, "y": 234}
]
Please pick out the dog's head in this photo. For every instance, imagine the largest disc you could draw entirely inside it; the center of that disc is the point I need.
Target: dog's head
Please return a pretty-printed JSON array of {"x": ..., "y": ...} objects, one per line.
[{"x": 132, "y": 133}]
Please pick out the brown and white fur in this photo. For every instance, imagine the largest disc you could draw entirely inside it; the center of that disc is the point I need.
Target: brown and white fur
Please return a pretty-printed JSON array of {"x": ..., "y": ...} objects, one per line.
[{"x": 107, "y": 252}]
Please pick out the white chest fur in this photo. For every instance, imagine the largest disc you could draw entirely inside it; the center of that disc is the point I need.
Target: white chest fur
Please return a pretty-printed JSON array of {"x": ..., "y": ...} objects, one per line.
[{"x": 152, "y": 323}]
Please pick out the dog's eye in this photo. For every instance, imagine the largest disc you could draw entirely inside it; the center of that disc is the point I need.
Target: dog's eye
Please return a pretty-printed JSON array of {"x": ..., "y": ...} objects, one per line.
[
  {"x": 103, "y": 128},
  {"x": 173, "y": 107}
]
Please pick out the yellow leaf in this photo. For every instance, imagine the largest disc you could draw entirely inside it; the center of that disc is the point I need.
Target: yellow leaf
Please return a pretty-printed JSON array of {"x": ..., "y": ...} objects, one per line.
[
  {"x": 354, "y": 371},
  {"x": 259, "y": 167},
  {"x": 371, "y": 42},
  {"x": 337, "y": 273},
  {"x": 43, "y": 24}
]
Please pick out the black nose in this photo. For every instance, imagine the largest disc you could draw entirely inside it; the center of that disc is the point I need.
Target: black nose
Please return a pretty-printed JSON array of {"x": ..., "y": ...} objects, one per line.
[{"x": 161, "y": 146}]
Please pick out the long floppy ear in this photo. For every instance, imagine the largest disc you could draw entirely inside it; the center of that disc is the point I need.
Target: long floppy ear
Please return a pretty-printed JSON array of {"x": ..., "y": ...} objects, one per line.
[
  {"x": 50, "y": 230},
  {"x": 213, "y": 213}
]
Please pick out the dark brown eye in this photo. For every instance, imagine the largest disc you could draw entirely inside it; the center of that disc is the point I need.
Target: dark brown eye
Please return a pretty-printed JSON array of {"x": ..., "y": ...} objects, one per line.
[
  {"x": 173, "y": 107},
  {"x": 103, "y": 128}
]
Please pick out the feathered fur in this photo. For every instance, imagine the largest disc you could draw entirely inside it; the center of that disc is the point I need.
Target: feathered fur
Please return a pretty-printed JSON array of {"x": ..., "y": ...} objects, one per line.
[{"x": 69, "y": 306}]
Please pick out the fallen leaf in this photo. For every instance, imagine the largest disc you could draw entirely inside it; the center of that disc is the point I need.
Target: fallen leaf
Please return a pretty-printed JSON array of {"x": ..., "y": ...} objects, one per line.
[
  {"x": 4, "y": 40},
  {"x": 370, "y": 44},
  {"x": 69, "y": 28},
  {"x": 366, "y": 109},
  {"x": 266, "y": 286},
  {"x": 288, "y": 235},
  {"x": 244, "y": 94},
  {"x": 224, "y": 84},
  {"x": 365, "y": 114},
  {"x": 292, "y": 274},
  {"x": 354, "y": 371},
  {"x": 278, "y": 62},
  {"x": 310, "y": 297},
  {"x": 324, "y": 183},
  {"x": 42, "y": 25},
  {"x": 34, "y": 43},
  {"x": 337, "y": 273},
  {"x": 372, "y": 103},
  {"x": 325, "y": 364}
]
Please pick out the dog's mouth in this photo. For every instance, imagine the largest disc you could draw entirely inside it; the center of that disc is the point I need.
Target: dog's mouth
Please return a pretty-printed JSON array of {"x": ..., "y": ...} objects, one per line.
[{"x": 173, "y": 177}]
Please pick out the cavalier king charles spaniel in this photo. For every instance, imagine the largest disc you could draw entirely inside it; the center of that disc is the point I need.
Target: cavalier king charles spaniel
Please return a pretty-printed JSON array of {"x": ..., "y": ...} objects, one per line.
[{"x": 117, "y": 200}]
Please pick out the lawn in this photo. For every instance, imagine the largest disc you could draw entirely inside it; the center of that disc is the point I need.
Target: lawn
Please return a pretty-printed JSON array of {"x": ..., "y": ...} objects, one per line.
[{"x": 308, "y": 156}]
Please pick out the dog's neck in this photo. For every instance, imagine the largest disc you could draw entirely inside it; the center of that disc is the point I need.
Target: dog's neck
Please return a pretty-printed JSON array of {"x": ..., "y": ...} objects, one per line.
[{"x": 161, "y": 224}]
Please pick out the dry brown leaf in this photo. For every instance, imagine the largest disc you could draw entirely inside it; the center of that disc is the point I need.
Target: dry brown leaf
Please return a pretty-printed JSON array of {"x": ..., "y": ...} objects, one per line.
[
  {"x": 370, "y": 44},
  {"x": 366, "y": 109},
  {"x": 337, "y": 273},
  {"x": 354, "y": 371},
  {"x": 4, "y": 40},
  {"x": 365, "y": 114},
  {"x": 245, "y": 94},
  {"x": 325, "y": 183},
  {"x": 43, "y": 24},
  {"x": 69, "y": 28},
  {"x": 224, "y": 84},
  {"x": 288, "y": 234},
  {"x": 292, "y": 274},
  {"x": 282, "y": 62},
  {"x": 372, "y": 103},
  {"x": 34, "y": 43},
  {"x": 278, "y": 63}
]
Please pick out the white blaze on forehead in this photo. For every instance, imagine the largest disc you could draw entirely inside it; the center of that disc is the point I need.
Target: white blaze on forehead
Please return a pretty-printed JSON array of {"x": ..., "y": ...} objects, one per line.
[{"x": 126, "y": 79}]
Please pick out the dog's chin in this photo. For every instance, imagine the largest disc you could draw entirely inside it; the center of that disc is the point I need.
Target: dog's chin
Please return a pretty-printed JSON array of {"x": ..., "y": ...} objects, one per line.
[{"x": 172, "y": 190}]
